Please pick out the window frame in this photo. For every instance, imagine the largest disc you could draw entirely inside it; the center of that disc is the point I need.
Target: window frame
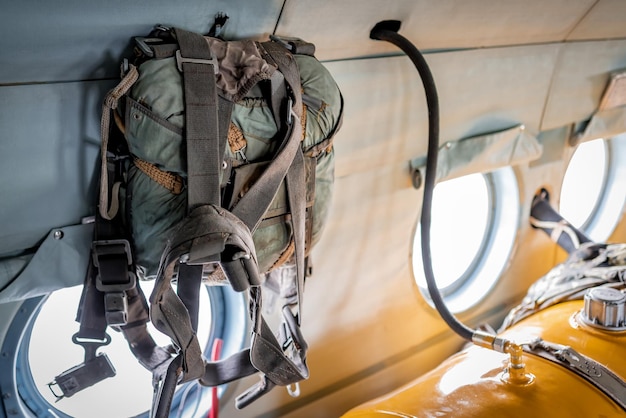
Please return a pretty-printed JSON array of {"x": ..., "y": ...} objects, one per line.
[{"x": 495, "y": 250}]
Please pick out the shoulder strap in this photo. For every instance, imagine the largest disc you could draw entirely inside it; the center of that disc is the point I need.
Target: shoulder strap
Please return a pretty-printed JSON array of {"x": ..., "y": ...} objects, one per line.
[
  {"x": 254, "y": 203},
  {"x": 203, "y": 132}
]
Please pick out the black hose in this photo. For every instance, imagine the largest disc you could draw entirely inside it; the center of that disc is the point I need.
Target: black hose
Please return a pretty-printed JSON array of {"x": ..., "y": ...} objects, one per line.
[{"x": 387, "y": 30}]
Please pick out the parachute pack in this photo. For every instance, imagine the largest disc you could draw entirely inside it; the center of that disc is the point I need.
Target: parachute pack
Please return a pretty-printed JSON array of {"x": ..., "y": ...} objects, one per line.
[{"x": 217, "y": 168}]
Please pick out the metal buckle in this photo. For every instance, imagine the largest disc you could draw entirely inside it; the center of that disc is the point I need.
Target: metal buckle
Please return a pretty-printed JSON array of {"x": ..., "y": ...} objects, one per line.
[
  {"x": 94, "y": 369},
  {"x": 290, "y": 112},
  {"x": 180, "y": 60},
  {"x": 144, "y": 44},
  {"x": 82, "y": 376}
]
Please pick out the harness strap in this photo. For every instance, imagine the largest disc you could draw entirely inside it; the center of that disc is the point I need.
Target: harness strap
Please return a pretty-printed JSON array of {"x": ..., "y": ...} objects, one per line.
[
  {"x": 253, "y": 205},
  {"x": 165, "y": 387},
  {"x": 189, "y": 283},
  {"x": 208, "y": 234},
  {"x": 232, "y": 368},
  {"x": 204, "y": 160},
  {"x": 90, "y": 313},
  {"x": 296, "y": 193}
]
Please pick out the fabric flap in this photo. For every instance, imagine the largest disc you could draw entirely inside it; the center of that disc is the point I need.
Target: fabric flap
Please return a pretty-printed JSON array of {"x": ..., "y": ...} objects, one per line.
[
  {"x": 605, "y": 123},
  {"x": 60, "y": 261},
  {"x": 484, "y": 153}
]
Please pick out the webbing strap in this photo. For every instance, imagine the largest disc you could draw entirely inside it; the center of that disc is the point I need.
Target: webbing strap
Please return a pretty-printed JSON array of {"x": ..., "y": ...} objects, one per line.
[
  {"x": 93, "y": 324},
  {"x": 296, "y": 193},
  {"x": 189, "y": 282},
  {"x": 232, "y": 368},
  {"x": 204, "y": 160},
  {"x": 278, "y": 93},
  {"x": 268, "y": 355},
  {"x": 254, "y": 203},
  {"x": 203, "y": 235},
  {"x": 164, "y": 389},
  {"x": 90, "y": 313}
]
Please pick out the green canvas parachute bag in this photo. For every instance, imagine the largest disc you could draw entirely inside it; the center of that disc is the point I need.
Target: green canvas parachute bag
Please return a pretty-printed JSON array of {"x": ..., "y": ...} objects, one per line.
[{"x": 217, "y": 167}]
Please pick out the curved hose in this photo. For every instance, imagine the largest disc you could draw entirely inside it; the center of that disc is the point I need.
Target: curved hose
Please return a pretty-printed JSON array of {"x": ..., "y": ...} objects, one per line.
[{"x": 388, "y": 31}]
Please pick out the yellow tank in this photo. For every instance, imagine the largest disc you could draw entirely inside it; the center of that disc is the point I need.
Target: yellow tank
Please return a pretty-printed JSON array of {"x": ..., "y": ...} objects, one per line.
[{"x": 475, "y": 383}]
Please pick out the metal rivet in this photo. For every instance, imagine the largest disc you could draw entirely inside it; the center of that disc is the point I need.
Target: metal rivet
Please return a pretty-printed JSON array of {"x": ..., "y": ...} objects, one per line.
[
  {"x": 224, "y": 165},
  {"x": 58, "y": 234},
  {"x": 448, "y": 145}
]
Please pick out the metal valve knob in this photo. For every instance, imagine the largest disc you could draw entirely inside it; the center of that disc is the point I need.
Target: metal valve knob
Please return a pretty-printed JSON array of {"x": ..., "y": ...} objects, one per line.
[{"x": 605, "y": 308}]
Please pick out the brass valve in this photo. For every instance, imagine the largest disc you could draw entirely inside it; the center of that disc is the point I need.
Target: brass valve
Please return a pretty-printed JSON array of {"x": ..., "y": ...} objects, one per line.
[{"x": 515, "y": 373}]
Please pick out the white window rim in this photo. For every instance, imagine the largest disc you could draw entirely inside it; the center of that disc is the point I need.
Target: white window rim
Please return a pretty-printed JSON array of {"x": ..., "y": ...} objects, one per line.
[
  {"x": 497, "y": 246},
  {"x": 608, "y": 209}
]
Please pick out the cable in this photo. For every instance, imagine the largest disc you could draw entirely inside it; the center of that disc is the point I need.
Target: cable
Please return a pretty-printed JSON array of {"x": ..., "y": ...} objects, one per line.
[{"x": 387, "y": 30}]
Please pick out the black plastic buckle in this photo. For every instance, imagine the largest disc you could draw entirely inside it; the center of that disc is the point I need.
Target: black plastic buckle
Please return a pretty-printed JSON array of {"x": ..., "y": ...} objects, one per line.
[
  {"x": 116, "y": 308},
  {"x": 113, "y": 260}
]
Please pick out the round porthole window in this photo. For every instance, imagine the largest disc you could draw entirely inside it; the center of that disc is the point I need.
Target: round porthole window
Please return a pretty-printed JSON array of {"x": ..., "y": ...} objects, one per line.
[
  {"x": 474, "y": 222},
  {"x": 594, "y": 187},
  {"x": 39, "y": 341}
]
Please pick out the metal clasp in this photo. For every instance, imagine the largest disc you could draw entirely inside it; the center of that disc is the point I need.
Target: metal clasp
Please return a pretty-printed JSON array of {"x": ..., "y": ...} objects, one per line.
[
  {"x": 94, "y": 369},
  {"x": 293, "y": 389},
  {"x": 144, "y": 45},
  {"x": 82, "y": 376},
  {"x": 180, "y": 60}
]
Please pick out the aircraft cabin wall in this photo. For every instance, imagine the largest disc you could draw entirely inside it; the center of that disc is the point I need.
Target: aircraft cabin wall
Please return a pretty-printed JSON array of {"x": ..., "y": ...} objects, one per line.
[{"x": 537, "y": 68}]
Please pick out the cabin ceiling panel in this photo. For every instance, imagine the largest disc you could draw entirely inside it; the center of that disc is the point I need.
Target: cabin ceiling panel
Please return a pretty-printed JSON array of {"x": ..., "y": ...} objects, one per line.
[
  {"x": 76, "y": 40},
  {"x": 580, "y": 80},
  {"x": 606, "y": 20},
  {"x": 340, "y": 29},
  {"x": 480, "y": 91}
]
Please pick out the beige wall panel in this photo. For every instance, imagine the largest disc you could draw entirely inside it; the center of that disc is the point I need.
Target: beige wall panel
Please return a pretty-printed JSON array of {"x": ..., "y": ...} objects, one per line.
[
  {"x": 580, "y": 80},
  {"x": 606, "y": 20},
  {"x": 480, "y": 91},
  {"x": 340, "y": 29}
]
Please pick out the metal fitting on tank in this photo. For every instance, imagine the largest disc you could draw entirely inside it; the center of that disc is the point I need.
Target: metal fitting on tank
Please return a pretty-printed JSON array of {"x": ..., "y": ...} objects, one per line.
[{"x": 515, "y": 373}]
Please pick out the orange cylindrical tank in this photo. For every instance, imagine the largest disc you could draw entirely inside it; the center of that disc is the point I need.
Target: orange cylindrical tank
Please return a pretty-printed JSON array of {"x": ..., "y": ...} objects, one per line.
[{"x": 472, "y": 382}]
